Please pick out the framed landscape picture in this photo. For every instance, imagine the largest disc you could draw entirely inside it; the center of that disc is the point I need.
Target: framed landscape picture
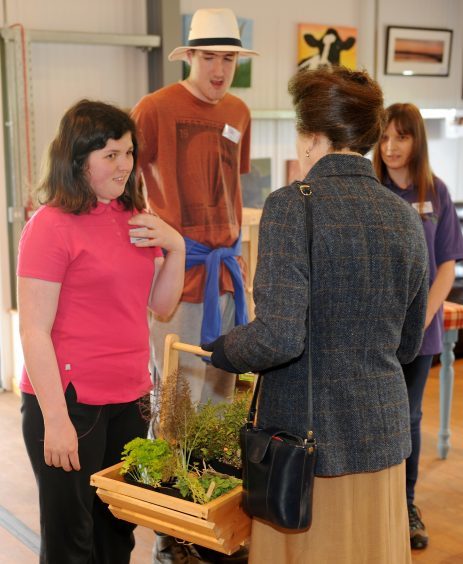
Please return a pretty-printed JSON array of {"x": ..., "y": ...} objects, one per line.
[{"x": 418, "y": 51}]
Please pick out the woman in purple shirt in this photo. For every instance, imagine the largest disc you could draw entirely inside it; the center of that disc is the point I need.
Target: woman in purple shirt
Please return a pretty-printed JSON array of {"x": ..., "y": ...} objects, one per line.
[{"x": 402, "y": 164}]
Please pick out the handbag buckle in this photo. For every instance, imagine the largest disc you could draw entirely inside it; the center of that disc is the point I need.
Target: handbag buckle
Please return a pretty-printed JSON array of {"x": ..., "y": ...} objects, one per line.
[
  {"x": 310, "y": 443},
  {"x": 305, "y": 189}
]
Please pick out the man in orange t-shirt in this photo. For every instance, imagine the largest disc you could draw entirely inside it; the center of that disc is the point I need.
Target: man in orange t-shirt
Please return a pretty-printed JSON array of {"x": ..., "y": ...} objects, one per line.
[{"x": 194, "y": 144}]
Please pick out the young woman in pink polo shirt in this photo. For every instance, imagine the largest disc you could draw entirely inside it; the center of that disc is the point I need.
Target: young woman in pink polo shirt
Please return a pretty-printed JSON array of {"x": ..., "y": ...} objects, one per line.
[{"x": 83, "y": 290}]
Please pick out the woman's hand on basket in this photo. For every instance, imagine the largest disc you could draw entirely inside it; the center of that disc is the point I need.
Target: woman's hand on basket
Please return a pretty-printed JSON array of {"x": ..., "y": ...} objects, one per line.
[{"x": 219, "y": 358}]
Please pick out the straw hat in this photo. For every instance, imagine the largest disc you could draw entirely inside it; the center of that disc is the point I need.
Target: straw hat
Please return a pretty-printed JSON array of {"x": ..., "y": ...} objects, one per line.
[{"x": 212, "y": 30}]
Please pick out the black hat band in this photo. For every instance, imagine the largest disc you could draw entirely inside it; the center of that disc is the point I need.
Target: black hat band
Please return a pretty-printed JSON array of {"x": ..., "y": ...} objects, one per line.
[{"x": 214, "y": 41}]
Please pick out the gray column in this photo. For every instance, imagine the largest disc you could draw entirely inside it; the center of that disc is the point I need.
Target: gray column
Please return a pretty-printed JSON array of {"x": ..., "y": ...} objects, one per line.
[{"x": 164, "y": 19}]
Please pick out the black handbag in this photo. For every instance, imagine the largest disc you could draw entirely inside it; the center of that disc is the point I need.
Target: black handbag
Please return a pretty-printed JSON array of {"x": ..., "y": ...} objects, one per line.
[{"x": 278, "y": 467}]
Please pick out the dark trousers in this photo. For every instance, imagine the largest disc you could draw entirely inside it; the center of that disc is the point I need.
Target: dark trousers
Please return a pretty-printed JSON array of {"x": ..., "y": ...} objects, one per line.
[
  {"x": 76, "y": 527},
  {"x": 416, "y": 374}
]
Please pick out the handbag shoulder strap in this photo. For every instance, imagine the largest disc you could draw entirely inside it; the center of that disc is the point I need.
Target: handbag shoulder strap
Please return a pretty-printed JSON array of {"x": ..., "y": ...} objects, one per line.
[{"x": 306, "y": 192}]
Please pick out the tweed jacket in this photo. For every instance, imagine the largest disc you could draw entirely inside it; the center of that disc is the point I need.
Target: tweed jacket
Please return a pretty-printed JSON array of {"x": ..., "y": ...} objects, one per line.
[{"x": 369, "y": 291}]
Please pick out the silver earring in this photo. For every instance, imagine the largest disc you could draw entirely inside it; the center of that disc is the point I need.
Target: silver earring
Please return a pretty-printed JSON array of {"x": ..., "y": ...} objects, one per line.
[{"x": 307, "y": 153}]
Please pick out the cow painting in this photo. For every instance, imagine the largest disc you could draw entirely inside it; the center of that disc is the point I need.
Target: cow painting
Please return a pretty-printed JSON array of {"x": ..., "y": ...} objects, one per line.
[{"x": 329, "y": 47}]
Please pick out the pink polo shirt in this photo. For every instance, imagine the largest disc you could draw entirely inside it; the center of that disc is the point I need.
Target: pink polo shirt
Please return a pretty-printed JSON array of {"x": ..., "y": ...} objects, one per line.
[{"x": 100, "y": 333}]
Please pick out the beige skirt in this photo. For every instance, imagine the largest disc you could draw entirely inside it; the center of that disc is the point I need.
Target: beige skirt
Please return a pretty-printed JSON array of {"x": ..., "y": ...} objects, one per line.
[{"x": 357, "y": 519}]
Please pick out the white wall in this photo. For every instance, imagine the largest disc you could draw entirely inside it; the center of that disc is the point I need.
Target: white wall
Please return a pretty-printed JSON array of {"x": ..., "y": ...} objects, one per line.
[
  {"x": 6, "y": 339},
  {"x": 60, "y": 75},
  {"x": 63, "y": 74},
  {"x": 275, "y": 38},
  {"x": 429, "y": 92},
  {"x": 426, "y": 92}
]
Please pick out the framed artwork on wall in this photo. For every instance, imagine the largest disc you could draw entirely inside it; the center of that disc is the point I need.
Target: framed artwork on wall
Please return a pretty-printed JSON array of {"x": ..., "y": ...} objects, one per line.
[
  {"x": 256, "y": 185},
  {"x": 293, "y": 171},
  {"x": 418, "y": 51},
  {"x": 323, "y": 46}
]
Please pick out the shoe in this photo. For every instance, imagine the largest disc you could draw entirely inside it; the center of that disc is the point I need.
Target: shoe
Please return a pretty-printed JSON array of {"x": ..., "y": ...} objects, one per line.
[
  {"x": 168, "y": 550},
  {"x": 207, "y": 555},
  {"x": 418, "y": 535}
]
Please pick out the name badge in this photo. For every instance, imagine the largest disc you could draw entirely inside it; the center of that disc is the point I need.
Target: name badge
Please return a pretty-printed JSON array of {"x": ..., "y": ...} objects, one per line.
[
  {"x": 425, "y": 208},
  {"x": 231, "y": 133}
]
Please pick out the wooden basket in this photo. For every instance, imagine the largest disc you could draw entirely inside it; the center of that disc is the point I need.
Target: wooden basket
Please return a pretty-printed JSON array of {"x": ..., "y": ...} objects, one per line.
[{"x": 220, "y": 524}]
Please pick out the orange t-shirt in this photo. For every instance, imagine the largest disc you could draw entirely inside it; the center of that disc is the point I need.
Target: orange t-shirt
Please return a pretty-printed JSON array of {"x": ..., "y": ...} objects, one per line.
[{"x": 191, "y": 155}]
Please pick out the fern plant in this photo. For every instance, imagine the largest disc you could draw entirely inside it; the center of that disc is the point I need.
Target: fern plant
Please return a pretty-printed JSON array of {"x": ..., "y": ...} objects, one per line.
[{"x": 190, "y": 432}]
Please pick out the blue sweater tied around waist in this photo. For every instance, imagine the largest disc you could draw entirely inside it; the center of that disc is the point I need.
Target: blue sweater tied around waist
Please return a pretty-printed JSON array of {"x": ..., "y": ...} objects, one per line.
[{"x": 197, "y": 253}]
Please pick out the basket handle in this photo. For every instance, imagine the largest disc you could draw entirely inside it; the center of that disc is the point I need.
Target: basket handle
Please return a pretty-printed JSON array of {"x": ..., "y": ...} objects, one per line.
[
  {"x": 185, "y": 347},
  {"x": 172, "y": 346}
]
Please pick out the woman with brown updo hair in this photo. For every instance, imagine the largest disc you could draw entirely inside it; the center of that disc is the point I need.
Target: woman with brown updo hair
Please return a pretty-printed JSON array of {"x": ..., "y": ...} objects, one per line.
[{"x": 368, "y": 298}]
